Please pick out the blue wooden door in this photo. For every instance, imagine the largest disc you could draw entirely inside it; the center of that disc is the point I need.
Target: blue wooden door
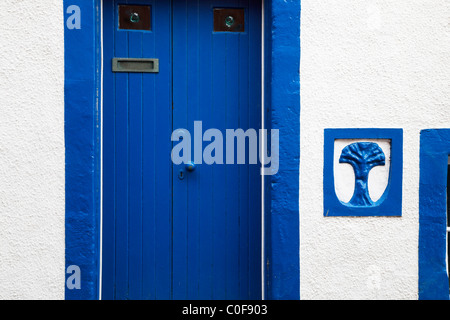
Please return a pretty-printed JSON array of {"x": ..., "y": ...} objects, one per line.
[{"x": 197, "y": 236}]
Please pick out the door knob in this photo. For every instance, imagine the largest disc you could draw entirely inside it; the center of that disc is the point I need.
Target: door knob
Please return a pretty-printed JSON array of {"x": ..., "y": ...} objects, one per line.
[
  {"x": 190, "y": 166},
  {"x": 134, "y": 17}
]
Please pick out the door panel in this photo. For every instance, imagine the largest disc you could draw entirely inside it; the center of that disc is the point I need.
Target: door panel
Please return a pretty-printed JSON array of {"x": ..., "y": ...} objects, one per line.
[
  {"x": 165, "y": 237},
  {"x": 137, "y": 169},
  {"x": 214, "y": 83}
]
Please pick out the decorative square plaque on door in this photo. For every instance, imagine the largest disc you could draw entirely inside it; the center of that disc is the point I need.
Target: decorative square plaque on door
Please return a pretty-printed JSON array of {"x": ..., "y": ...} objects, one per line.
[
  {"x": 229, "y": 20},
  {"x": 135, "y": 17}
]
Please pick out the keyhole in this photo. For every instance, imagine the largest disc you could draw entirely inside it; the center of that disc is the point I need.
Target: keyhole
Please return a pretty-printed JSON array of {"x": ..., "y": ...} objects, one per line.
[
  {"x": 134, "y": 17},
  {"x": 181, "y": 175}
]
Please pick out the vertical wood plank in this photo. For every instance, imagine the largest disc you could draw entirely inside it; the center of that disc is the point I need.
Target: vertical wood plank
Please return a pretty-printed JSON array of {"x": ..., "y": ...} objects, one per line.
[
  {"x": 205, "y": 112},
  {"x": 194, "y": 196},
  {"x": 149, "y": 166},
  {"x": 244, "y": 203},
  {"x": 162, "y": 198},
  {"x": 180, "y": 94},
  {"x": 232, "y": 91},
  {"x": 135, "y": 170},
  {"x": 122, "y": 168},
  {"x": 219, "y": 105}
]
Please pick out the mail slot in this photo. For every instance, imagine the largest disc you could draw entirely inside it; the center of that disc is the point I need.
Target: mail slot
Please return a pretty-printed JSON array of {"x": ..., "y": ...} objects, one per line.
[{"x": 135, "y": 65}]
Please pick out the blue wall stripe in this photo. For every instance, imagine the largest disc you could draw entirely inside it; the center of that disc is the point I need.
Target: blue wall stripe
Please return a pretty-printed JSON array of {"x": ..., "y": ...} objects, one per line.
[
  {"x": 434, "y": 153},
  {"x": 82, "y": 67}
]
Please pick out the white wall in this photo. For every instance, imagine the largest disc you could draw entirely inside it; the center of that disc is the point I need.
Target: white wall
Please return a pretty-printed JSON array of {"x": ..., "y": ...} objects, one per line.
[
  {"x": 368, "y": 63},
  {"x": 31, "y": 149}
]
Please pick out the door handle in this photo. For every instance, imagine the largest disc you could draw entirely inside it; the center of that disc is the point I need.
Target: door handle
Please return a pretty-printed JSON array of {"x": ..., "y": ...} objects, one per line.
[{"x": 190, "y": 166}]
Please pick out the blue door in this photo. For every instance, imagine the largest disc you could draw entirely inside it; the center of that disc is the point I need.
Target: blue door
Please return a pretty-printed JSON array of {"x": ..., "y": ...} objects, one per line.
[{"x": 170, "y": 232}]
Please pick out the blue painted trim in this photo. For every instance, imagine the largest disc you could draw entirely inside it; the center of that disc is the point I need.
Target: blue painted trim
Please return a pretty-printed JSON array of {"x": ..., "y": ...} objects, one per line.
[
  {"x": 282, "y": 222},
  {"x": 390, "y": 204},
  {"x": 434, "y": 152},
  {"x": 82, "y": 100}
]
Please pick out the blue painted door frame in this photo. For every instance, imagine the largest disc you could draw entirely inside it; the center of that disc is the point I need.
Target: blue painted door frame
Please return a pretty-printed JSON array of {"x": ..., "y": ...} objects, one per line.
[{"x": 82, "y": 23}]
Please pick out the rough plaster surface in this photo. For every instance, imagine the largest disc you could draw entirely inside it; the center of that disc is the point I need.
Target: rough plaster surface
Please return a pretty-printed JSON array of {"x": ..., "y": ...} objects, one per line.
[
  {"x": 368, "y": 64},
  {"x": 31, "y": 150}
]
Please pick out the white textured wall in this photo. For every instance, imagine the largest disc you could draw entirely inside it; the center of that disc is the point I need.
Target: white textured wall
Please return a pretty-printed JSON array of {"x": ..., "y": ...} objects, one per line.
[
  {"x": 31, "y": 149},
  {"x": 368, "y": 63}
]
